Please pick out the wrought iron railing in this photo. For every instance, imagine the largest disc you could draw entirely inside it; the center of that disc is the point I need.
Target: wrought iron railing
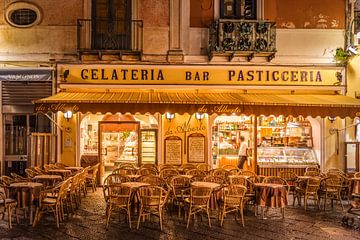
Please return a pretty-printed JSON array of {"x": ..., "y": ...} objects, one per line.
[
  {"x": 242, "y": 36},
  {"x": 107, "y": 34}
]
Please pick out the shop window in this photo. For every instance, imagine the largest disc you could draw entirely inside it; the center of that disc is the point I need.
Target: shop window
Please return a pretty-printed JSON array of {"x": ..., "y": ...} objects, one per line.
[
  {"x": 201, "y": 13},
  {"x": 238, "y": 9},
  {"x": 22, "y": 15}
]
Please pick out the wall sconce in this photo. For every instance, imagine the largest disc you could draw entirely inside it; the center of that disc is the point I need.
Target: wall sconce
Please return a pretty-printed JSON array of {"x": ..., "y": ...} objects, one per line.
[
  {"x": 199, "y": 116},
  {"x": 68, "y": 115},
  {"x": 331, "y": 119},
  {"x": 170, "y": 116}
]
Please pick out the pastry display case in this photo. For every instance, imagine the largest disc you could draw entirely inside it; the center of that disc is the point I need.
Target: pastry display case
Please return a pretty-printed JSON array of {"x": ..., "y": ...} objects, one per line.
[{"x": 271, "y": 160}]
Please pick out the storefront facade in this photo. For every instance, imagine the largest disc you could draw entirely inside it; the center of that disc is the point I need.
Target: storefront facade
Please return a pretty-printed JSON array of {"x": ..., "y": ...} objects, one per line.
[{"x": 166, "y": 114}]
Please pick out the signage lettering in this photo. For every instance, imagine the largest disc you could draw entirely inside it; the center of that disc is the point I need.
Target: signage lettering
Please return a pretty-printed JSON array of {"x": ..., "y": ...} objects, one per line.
[
  {"x": 200, "y": 75},
  {"x": 56, "y": 107}
]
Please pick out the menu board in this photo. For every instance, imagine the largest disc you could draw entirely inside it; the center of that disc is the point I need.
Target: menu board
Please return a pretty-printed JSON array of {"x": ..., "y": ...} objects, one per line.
[
  {"x": 196, "y": 148},
  {"x": 173, "y": 153}
]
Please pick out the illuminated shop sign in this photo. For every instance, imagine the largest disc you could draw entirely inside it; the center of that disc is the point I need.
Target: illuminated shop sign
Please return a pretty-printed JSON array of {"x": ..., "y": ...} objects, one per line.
[{"x": 198, "y": 75}]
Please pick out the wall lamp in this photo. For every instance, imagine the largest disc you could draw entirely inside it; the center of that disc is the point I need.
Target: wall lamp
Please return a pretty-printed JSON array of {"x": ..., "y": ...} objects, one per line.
[
  {"x": 170, "y": 116},
  {"x": 199, "y": 116},
  {"x": 68, "y": 115},
  {"x": 331, "y": 119}
]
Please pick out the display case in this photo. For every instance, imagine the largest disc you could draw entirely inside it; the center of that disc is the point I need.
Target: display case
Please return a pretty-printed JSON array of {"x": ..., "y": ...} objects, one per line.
[
  {"x": 272, "y": 160},
  {"x": 148, "y": 146}
]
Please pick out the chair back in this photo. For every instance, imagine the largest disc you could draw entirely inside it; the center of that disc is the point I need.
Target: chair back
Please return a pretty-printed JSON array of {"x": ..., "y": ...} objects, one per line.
[
  {"x": 357, "y": 175},
  {"x": 126, "y": 165},
  {"x": 115, "y": 179},
  {"x": 30, "y": 173},
  {"x": 312, "y": 169},
  {"x": 333, "y": 183},
  {"x": 147, "y": 171},
  {"x": 166, "y": 172},
  {"x": 6, "y": 180},
  {"x": 154, "y": 181},
  {"x": 238, "y": 180},
  {"x": 197, "y": 178},
  {"x": 195, "y": 172},
  {"x": 219, "y": 172},
  {"x": 204, "y": 167},
  {"x": 200, "y": 196},
  {"x": 187, "y": 167},
  {"x": 215, "y": 179},
  {"x": 312, "y": 173},
  {"x": 234, "y": 194},
  {"x": 179, "y": 184},
  {"x": 119, "y": 194},
  {"x": 248, "y": 173},
  {"x": 234, "y": 171},
  {"x": 312, "y": 185},
  {"x": 152, "y": 196},
  {"x": 228, "y": 167}
]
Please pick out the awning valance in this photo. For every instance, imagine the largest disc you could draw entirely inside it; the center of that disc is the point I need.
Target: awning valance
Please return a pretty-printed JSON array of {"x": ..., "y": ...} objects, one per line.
[{"x": 203, "y": 101}]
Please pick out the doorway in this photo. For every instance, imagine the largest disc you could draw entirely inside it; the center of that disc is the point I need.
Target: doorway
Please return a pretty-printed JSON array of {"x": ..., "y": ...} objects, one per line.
[
  {"x": 119, "y": 143},
  {"x": 352, "y": 156}
]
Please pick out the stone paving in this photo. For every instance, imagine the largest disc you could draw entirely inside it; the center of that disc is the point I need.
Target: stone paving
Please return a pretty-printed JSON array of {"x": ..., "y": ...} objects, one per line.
[{"x": 89, "y": 223}]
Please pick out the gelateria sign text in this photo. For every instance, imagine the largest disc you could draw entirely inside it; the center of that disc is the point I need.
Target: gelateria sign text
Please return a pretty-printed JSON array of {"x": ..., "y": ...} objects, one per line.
[{"x": 198, "y": 75}]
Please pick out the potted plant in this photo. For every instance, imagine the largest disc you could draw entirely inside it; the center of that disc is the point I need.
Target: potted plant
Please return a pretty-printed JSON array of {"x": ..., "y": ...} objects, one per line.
[{"x": 341, "y": 57}]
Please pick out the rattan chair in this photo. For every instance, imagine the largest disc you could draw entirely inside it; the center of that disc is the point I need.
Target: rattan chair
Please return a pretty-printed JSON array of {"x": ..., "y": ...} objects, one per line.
[
  {"x": 19, "y": 178},
  {"x": 30, "y": 173},
  {"x": 238, "y": 180},
  {"x": 112, "y": 179},
  {"x": 120, "y": 198},
  {"x": 290, "y": 178},
  {"x": 152, "y": 202},
  {"x": 126, "y": 170},
  {"x": 198, "y": 202},
  {"x": 204, "y": 167},
  {"x": 147, "y": 171},
  {"x": 310, "y": 191},
  {"x": 180, "y": 186},
  {"x": 197, "y": 178},
  {"x": 195, "y": 172},
  {"x": 332, "y": 190},
  {"x": 155, "y": 181},
  {"x": 52, "y": 204},
  {"x": 6, "y": 180},
  {"x": 312, "y": 173},
  {"x": 91, "y": 179},
  {"x": 186, "y": 167},
  {"x": 8, "y": 205},
  {"x": 219, "y": 172},
  {"x": 168, "y": 172},
  {"x": 228, "y": 167},
  {"x": 233, "y": 201},
  {"x": 357, "y": 175}
]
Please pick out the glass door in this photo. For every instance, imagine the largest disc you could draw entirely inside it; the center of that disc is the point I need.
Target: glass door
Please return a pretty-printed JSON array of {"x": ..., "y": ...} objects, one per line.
[
  {"x": 148, "y": 146},
  {"x": 119, "y": 143}
]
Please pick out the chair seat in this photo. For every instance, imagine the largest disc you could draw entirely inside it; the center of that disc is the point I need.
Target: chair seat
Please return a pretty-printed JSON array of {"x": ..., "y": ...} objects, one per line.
[
  {"x": 8, "y": 201},
  {"x": 49, "y": 201}
]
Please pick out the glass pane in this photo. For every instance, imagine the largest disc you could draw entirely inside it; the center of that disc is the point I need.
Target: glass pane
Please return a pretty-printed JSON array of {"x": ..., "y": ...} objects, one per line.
[
  {"x": 40, "y": 123},
  {"x": 15, "y": 135},
  {"x": 148, "y": 146}
]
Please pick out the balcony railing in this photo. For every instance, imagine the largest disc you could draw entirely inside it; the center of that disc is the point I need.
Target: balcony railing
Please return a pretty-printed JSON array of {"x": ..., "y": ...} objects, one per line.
[
  {"x": 109, "y": 35},
  {"x": 246, "y": 38}
]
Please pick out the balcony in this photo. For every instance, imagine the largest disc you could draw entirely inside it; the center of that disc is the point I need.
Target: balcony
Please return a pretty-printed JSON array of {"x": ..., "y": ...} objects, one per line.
[
  {"x": 242, "y": 38},
  {"x": 107, "y": 36}
]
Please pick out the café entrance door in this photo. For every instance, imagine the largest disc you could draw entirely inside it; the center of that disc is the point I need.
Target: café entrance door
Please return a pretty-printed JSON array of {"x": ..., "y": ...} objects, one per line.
[{"x": 352, "y": 156}]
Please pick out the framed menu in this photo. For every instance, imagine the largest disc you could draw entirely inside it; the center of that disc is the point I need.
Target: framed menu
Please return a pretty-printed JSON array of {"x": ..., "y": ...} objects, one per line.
[
  {"x": 196, "y": 148},
  {"x": 173, "y": 150}
]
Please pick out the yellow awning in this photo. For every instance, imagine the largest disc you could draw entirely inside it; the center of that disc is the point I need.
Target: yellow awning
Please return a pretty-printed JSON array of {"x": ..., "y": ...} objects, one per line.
[{"x": 191, "y": 101}]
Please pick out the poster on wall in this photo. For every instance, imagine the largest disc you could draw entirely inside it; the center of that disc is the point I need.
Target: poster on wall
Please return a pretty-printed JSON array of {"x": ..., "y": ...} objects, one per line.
[
  {"x": 196, "y": 148},
  {"x": 173, "y": 153}
]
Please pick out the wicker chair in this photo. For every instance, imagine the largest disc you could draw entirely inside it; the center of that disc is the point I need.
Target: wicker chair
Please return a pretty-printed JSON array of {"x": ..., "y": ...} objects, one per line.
[
  {"x": 248, "y": 173},
  {"x": 219, "y": 172},
  {"x": 112, "y": 179},
  {"x": 290, "y": 178},
  {"x": 312, "y": 173},
  {"x": 6, "y": 180},
  {"x": 8, "y": 205},
  {"x": 234, "y": 171},
  {"x": 152, "y": 202},
  {"x": 238, "y": 180},
  {"x": 155, "y": 181},
  {"x": 19, "y": 178},
  {"x": 228, "y": 167},
  {"x": 30, "y": 173},
  {"x": 233, "y": 201},
  {"x": 204, "y": 167},
  {"x": 312, "y": 169},
  {"x": 310, "y": 191},
  {"x": 52, "y": 204},
  {"x": 91, "y": 179},
  {"x": 119, "y": 197},
  {"x": 168, "y": 172},
  {"x": 195, "y": 172},
  {"x": 147, "y": 171},
  {"x": 197, "y": 178},
  {"x": 180, "y": 186},
  {"x": 357, "y": 175},
  {"x": 186, "y": 167},
  {"x": 198, "y": 202},
  {"x": 126, "y": 170},
  {"x": 332, "y": 190}
]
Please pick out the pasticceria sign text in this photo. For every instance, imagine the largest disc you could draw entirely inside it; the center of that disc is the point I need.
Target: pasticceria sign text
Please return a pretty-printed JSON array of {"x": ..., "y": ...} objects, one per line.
[{"x": 198, "y": 75}]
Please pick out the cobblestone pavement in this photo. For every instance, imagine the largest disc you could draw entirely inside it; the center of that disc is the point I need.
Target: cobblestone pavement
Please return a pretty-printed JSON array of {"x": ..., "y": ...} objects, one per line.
[{"x": 89, "y": 223}]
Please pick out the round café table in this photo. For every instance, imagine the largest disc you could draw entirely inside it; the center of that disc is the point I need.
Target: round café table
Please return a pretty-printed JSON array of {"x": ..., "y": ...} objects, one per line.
[
  {"x": 26, "y": 189},
  {"x": 271, "y": 195},
  {"x": 47, "y": 179}
]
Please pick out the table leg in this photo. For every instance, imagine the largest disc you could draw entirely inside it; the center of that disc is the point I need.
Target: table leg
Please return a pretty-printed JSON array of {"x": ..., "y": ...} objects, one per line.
[{"x": 31, "y": 200}]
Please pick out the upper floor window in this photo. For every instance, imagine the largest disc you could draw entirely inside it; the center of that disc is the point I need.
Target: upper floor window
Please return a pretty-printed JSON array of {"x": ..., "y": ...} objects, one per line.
[
  {"x": 238, "y": 9},
  {"x": 22, "y": 14}
]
